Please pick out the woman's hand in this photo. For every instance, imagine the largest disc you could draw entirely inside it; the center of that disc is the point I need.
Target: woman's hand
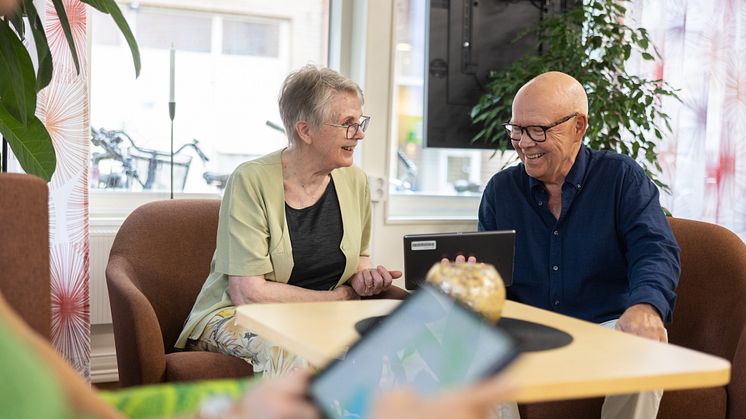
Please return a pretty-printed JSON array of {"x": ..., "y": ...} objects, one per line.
[
  {"x": 372, "y": 281},
  {"x": 345, "y": 292}
]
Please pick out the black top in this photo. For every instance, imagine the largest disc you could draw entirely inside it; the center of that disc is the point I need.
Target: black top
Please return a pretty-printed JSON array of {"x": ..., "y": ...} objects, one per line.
[{"x": 316, "y": 235}]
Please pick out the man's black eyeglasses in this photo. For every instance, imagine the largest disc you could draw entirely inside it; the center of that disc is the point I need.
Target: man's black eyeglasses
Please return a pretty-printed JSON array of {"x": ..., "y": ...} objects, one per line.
[
  {"x": 352, "y": 128},
  {"x": 538, "y": 133}
]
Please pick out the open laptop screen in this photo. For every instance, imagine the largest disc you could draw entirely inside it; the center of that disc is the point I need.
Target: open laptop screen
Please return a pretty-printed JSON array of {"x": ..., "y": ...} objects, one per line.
[{"x": 421, "y": 251}]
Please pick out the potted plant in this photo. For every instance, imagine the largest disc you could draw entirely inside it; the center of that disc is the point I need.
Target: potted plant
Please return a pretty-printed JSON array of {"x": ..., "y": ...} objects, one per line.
[
  {"x": 19, "y": 83},
  {"x": 592, "y": 43}
]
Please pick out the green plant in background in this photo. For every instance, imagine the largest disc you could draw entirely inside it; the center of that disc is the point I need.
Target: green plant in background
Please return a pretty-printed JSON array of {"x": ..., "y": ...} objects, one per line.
[
  {"x": 19, "y": 83},
  {"x": 592, "y": 44}
]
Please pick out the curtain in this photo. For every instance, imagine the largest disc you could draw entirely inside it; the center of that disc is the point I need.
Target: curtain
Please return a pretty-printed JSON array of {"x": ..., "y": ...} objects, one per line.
[
  {"x": 63, "y": 107},
  {"x": 703, "y": 54}
]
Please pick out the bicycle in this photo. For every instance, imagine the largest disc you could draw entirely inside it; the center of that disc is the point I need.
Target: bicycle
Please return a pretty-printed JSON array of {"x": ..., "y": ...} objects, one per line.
[{"x": 134, "y": 161}]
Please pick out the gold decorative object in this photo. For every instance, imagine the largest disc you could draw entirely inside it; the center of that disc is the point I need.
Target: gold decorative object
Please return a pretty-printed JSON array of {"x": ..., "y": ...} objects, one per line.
[{"x": 478, "y": 285}]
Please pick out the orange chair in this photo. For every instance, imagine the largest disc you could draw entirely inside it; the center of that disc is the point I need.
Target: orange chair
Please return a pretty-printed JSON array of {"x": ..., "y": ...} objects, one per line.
[{"x": 709, "y": 317}]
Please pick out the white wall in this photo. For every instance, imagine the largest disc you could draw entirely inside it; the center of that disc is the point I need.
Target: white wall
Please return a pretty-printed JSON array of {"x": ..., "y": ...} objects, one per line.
[{"x": 377, "y": 84}]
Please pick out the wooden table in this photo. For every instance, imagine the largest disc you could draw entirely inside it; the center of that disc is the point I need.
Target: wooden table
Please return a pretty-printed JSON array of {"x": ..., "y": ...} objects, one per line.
[{"x": 598, "y": 362}]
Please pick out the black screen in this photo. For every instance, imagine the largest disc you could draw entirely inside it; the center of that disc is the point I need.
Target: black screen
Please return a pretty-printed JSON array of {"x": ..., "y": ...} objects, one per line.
[{"x": 467, "y": 39}]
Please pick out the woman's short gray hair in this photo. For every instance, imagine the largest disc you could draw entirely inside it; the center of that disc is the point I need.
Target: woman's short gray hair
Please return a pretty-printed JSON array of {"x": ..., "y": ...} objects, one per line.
[{"x": 306, "y": 94}]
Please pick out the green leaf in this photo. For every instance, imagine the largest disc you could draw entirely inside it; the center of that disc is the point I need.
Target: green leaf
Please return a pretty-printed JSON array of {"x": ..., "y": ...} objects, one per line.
[
  {"x": 110, "y": 7},
  {"x": 59, "y": 7},
  {"x": 17, "y": 22},
  {"x": 43, "y": 55},
  {"x": 17, "y": 81},
  {"x": 31, "y": 144},
  {"x": 620, "y": 9}
]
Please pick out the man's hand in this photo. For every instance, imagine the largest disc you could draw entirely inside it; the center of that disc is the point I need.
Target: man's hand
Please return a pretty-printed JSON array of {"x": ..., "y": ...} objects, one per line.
[
  {"x": 369, "y": 282},
  {"x": 472, "y": 402},
  {"x": 404, "y": 404},
  {"x": 278, "y": 398},
  {"x": 460, "y": 259},
  {"x": 643, "y": 320}
]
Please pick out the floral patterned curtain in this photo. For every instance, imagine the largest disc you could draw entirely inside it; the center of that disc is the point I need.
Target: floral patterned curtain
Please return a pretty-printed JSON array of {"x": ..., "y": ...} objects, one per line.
[{"x": 703, "y": 53}]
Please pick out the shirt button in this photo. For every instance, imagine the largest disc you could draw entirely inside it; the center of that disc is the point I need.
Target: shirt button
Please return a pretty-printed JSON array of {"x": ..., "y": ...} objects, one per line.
[
  {"x": 556, "y": 232},
  {"x": 556, "y": 302},
  {"x": 577, "y": 186},
  {"x": 555, "y": 267},
  {"x": 540, "y": 203}
]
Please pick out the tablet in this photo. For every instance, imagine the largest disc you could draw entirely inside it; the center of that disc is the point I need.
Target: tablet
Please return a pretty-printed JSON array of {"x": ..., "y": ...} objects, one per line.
[
  {"x": 421, "y": 251},
  {"x": 428, "y": 344}
]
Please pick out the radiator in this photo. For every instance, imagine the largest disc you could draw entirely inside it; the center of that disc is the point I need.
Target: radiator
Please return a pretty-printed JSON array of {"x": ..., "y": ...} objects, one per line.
[{"x": 100, "y": 242}]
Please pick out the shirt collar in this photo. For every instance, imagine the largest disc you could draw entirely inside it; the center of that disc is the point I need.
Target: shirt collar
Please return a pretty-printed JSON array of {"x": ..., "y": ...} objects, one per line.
[{"x": 577, "y": 171}]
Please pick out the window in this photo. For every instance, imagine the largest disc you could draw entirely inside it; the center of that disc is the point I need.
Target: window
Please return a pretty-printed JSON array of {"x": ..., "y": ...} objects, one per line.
[
  {"x": 452, "y": 179},
  {"x": 251, "y": 38},
  {"x": 229, "y": 66}
]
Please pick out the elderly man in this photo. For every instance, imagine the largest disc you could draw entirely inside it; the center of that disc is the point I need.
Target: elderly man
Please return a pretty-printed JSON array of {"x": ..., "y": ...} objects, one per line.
[{"x": 592, "y": 240}]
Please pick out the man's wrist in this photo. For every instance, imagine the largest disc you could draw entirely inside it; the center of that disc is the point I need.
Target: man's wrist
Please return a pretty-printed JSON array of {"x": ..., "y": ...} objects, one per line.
[{"x": 648, "y": 307}]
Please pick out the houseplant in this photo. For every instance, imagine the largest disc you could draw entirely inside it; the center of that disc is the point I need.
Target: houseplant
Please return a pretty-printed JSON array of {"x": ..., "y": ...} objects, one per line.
[
  {"x": 591, "y": 43},
  {"x": 19, "y": 83}
]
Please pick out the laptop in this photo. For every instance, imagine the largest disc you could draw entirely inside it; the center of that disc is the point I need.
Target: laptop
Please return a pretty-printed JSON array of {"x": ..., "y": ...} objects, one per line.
[
  {"x": 421, "y": 251},
  {"x": 430, "y": 343}
]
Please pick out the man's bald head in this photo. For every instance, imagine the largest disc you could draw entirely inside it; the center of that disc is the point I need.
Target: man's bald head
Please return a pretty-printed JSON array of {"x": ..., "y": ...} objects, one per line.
[
  {"x": 553, "y": 94},
  {"x": 555, "y": 106}
]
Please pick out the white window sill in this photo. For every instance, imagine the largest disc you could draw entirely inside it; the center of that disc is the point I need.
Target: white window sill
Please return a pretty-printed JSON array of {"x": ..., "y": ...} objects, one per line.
[
  {"x": 409, "y": 208},
  {"x": 110, "y": 208}
]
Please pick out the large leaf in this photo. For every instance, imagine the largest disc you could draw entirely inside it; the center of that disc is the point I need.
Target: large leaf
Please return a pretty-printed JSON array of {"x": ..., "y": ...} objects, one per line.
[
  {"x": 17, "y": 80},
  {"x": 31, "y": 144},
  {"x": 59, "y": 7},
  {"x": 110, "y": 7},
  {"x": 43, "y": 55},
  {"x": 17, "y": 22}
]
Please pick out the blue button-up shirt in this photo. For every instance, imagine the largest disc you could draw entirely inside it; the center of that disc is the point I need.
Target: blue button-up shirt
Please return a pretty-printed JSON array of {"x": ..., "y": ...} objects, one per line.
[{"x": 611, "y": 247}]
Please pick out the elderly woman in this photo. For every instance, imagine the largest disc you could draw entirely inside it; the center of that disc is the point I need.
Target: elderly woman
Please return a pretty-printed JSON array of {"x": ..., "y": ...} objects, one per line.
[{"x": 294, "y": 224}]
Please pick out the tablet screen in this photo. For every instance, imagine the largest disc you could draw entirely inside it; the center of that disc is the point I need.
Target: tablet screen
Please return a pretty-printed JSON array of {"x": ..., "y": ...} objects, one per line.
[{"x": 428, "y": 344}]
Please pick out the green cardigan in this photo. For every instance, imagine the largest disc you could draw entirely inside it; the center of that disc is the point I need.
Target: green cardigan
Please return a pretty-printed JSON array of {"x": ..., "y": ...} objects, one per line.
[{"x": 253, "y": 237}]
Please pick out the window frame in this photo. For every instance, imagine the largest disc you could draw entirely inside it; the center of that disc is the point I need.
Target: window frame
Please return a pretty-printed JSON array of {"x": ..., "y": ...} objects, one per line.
[{"x": 107, "y": 208}]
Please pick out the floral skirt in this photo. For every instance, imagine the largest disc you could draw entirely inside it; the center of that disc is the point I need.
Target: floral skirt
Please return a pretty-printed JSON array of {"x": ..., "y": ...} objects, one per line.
[{"x": 223, "y": 334}]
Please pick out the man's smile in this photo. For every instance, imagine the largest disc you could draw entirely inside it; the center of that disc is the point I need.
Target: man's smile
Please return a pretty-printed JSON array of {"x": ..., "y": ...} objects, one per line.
[{"x": 533, "y": 156}]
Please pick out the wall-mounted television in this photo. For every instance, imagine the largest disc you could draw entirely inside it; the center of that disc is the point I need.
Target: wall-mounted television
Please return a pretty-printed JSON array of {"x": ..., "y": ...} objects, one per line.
[{"x": 466, "y": 40}]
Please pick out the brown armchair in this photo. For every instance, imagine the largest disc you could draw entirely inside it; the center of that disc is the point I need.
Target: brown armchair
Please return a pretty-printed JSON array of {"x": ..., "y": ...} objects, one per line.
[
  {"x": 24, "y": 249},
  {"x": 709, "y": 317},
  {"x": 158, "y": 263}
]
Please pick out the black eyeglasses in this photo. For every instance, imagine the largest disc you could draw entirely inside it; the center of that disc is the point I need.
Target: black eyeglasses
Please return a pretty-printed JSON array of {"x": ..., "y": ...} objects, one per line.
[
  {"x": 352, "y": 128},
  {"x": 538, "y": 133}
]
